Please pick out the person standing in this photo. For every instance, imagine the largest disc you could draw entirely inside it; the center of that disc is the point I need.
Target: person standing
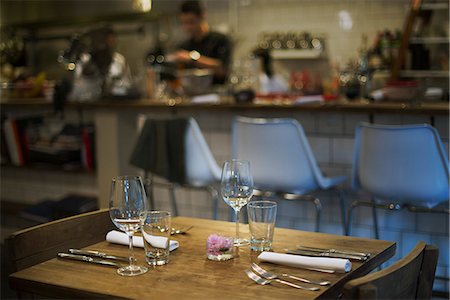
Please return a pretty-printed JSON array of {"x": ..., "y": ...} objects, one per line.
[{"x": 204, "y": 48}]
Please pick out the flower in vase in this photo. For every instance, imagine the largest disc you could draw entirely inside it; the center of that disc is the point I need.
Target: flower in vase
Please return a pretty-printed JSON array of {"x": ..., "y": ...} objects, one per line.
[{"x": 217, "y": 244}]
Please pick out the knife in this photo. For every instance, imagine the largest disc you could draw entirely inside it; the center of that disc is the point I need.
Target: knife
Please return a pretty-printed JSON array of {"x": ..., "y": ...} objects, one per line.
[
  {"x": 89, "y": 259},
  {"x": 98, "y": 254},
  {"x": 326, "y": 254},
  {"x": 333, "y": 251}
]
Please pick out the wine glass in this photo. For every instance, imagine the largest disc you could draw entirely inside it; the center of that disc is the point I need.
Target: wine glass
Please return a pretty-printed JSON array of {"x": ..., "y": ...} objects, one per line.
[
  {"x": 237, "y": 189},
  {"x": 127, "y": 205}
]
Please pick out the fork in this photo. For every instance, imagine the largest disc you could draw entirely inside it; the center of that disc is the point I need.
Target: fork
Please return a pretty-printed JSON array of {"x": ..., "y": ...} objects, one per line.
[
  {"x": 181, "y": 230},
  {"x": 269, "y": 275},
  {"x": 262, "y": 281}
]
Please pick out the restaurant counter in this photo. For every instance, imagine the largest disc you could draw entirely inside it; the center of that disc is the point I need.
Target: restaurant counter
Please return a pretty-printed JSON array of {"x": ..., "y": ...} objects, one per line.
[{"x": 363, "y": 105}]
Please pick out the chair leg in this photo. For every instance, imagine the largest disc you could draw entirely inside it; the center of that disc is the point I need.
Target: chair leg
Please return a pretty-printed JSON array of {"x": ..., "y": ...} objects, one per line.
[
  {"x": 341, "y": 197},
  {"x": 215, "y": 198},
  {"x": 350, "y": 217},
  {"x": 173, "y": 200},
  {"x": 318, "y": 206},
  {"x": 375, "y": 220},
  {"x": 148, "y": 186}
]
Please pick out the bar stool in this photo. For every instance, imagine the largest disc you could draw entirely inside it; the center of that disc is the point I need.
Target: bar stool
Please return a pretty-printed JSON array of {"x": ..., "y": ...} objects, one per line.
[
  {"x": 400, "y": 167},
  {"x": 197, "y": 167},
  {"x": 283, "y": 164}
]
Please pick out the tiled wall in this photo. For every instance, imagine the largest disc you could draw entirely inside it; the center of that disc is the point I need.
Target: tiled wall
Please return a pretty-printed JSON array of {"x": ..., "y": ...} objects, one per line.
[{"x": 315, "y": 16}]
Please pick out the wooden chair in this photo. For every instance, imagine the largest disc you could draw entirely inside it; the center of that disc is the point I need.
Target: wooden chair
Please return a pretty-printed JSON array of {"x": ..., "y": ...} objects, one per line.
[
  {"x": 37, "y": 244},
  {"x": 410, "y": 278}
]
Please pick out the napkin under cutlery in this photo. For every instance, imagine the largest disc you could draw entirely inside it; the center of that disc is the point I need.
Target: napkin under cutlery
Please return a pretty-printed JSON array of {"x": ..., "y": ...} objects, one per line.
[
  {"x": 314, "y": 263},
  {"x": 118, "y": 237}
]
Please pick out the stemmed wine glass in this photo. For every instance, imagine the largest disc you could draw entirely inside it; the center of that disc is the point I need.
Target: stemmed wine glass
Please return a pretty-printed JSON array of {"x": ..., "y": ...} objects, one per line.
[
  {"x": 237, "y": 189},
  {"x": 127, "y": 205}
]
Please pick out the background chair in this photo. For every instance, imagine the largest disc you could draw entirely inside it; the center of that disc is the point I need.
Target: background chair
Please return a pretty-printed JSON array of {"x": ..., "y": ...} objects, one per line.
[
  {"x": 198, "y": 166},
  {"x": 400, "y": 167},
  {"x": 410, "y": 278},
  {"x": 282, "y": 162}
]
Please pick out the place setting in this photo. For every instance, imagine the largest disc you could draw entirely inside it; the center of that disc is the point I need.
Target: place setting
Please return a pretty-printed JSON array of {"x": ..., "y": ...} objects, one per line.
[
  {"x": 140, "y": 227},
  {"x": 236, "y": 190}
]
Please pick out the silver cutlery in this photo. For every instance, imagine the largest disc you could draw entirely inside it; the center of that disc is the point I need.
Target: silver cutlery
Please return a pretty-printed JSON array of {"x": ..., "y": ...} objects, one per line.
[
  {"x": 262, "y": 281},
  {"x": 325, "y": 254},
  {"x": 181, "y": 230},
  {"x": 98, "y": 254},
  {"x": 268, "y": 275},
  {"x": 299, "y": 247},
  {"x": 89, "y": 259}
]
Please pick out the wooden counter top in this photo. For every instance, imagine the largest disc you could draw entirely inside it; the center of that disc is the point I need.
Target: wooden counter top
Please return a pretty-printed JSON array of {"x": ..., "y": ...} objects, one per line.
[{"x": 363, "y": 106}]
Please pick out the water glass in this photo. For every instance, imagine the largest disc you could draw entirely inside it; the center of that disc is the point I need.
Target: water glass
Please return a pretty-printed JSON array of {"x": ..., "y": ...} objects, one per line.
[
  {"x": 261, "y": 219},
  {"x": 156, "y": 228}
]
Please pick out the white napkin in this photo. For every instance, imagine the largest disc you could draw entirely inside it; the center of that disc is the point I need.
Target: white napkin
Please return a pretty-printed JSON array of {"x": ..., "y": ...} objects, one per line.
[
  {"x": 118, "y": 237},
  {"x": 318, "y": 263}
]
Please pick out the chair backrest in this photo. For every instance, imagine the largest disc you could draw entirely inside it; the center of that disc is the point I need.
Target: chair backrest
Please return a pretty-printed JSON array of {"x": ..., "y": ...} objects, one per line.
[
  {"x": 403, "y": 164},
  {"x": 37, "y": 244},
  {"x": 279, "y": 153},
  {"x": 410, "y": 278},
  {"x": 201, "y": 167}
]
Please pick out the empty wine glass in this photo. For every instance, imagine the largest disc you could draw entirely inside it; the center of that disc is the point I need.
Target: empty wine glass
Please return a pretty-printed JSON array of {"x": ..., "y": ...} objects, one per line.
[
  {"x": 237, "y": 189},
  {"x": 127, "y": 205}
]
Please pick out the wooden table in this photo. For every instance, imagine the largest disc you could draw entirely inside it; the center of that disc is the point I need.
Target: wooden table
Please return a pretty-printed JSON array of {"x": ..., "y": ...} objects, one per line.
[{"x": 190, "y": 275}]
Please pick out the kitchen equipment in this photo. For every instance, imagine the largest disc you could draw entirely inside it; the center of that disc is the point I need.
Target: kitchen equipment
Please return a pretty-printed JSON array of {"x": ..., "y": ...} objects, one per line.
[{"x": 196, "y": 81}]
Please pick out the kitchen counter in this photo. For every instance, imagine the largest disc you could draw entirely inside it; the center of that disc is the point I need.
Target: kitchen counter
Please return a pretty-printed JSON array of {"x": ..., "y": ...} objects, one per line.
[{"x": 363, "y": 106}]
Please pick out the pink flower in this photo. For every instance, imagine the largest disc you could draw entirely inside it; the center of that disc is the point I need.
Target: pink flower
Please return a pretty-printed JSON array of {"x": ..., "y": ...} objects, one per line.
[{"x": 217, "y": 244}]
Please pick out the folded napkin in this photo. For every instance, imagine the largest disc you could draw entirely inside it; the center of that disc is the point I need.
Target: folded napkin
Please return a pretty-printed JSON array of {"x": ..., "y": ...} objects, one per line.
[
  {"x": 118, "y": 237},
  {"x": 318, "y": 263}
]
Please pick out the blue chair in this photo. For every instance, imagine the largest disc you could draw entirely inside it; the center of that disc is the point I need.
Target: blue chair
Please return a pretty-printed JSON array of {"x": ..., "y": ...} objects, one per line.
[
  {"x": 282, "y": 162},
  {"x": 400, "y": 167}
]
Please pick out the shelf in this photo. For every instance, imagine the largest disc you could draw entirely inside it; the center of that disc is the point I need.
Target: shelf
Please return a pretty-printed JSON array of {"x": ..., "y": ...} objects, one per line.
[
  {"x": 429, "y": 40},
  {"x": 424, "y": 73},
  {"x": 434, "y": 6},
  {"x": 66, "y": 168},
  {"x": 297, "y": 54},
  {"x": 87, "y": 20}
]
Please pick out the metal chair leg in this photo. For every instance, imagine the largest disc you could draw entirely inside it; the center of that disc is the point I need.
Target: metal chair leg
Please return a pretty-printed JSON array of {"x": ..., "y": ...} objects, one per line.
[
  {"x": 318, "y": 206},
  {"x": 148, "y": 186},
  {"x": 375, "y": 220},
  {"x": 215, "y": 198},
  {"x": 173, "y": 200},
  {"x": 341, "y": 197},
  {"x": 350, "y": 216}
]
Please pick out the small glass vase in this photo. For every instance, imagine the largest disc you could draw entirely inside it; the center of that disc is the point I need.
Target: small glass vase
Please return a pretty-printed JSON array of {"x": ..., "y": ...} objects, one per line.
[{"x": 219, "y": 248}]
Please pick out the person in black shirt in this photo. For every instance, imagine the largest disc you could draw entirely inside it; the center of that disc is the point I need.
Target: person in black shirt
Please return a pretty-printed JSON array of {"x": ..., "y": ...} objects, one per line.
[{"x": 204, "y": 48}]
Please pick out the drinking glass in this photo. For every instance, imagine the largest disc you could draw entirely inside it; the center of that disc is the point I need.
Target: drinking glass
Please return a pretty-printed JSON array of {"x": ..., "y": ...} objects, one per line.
[
  {"x": 237, "y": 189},
  {"x": 261, "y": 220},
  {"x": 156, "y": 228},
  {"x": 127, "y": 205}
]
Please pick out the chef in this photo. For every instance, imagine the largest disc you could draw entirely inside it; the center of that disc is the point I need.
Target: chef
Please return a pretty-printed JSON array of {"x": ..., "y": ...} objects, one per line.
[{"x": 204, "y": 48}]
